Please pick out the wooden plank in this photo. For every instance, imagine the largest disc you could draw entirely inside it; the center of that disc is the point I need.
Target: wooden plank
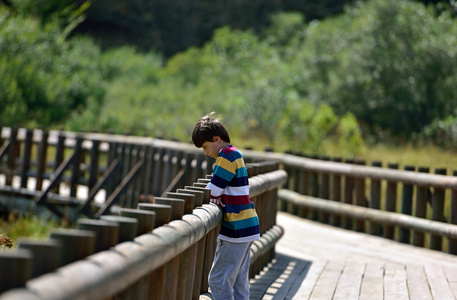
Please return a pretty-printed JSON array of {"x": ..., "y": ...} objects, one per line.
[
  {"x": 326, "y": 285},
  {"x": 438, "y": 283},
  {"x": 350, "y": 281},
  {"x": 373, "y": 282},
  {"x": 395, "y": 286},
  {"x": 305, "y": 288},
  {"x": 417, "y": 282},
  {"x": 451, "y": 275}
]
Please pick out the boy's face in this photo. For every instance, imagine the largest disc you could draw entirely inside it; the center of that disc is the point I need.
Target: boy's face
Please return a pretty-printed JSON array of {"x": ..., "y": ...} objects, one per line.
[{"x": 212, "y": 148}]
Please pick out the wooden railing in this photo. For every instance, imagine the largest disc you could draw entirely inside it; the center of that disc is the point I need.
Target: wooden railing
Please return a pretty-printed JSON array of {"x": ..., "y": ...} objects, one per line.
[
  {"x": 410, "y": 206},
  {"x": 170, "y": 261},
  {"x": 58, "y": 169},
  {"x": 144, "y": 225}
]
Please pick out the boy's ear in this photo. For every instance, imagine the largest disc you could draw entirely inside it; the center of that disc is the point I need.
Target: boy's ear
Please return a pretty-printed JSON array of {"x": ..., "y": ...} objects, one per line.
[{"x": 216, "y": 139}]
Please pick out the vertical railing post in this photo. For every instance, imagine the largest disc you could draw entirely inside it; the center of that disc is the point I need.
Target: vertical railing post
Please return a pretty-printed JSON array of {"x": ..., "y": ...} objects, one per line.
[
  {"x": 348, "y": 195},
  {"x": 420, "y": 210},
  {"x": 436, "y": 242},
  {"x": 406, "y": 207},
  {"x": 375, "y": 200},
  {"x": 41, "y": 160},
  {"x": 360, "y": 198},
  {"x": 13, "y": 152},
  {"x": 336, "y": 193},
  {"x": 59, "y": 156},
  {"x": 149, "y": 156},
  {"x": 26, "y": 158},
  {"x": 391, "y": 203},
  {"x": 94, "y": 164},
  {"x": 452, "y": 249},
  {"x": 324, "y": 192},
  {"x": 314, "y": 191},
  {"x": 76, "y": 171}
]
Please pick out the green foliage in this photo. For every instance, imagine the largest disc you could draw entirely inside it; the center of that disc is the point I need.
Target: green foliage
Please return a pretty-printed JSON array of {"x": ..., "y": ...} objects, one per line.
[
  {"x": 441, "y": 132},
  {"x": 24, "y": 226},
  {"x": 350, "y": 139},
  {"x": 388, "y": 65},
  {"x": 306, "y": 127},
  {"x": 391, "y": 63},
  {"x": 44, "y": 78}
]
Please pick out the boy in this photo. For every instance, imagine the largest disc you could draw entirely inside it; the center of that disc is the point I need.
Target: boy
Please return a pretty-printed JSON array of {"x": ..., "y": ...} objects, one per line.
[{"x": 229, "y": 275}]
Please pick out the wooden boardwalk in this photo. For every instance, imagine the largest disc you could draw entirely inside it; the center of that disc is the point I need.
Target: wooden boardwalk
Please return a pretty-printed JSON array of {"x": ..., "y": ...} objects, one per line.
[{"x": 317, "y": 261}]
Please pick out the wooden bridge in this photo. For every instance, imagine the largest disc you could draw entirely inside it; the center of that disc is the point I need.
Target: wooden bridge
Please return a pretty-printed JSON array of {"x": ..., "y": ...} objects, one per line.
[
  {"x": 318, "y": 261},
  {"x": 346, "y": 230}
]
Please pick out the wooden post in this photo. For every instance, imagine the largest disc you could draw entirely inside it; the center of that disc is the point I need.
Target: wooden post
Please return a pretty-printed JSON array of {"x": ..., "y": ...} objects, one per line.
[
  {"x": 146, "y": 219},
  {"x": 94, "y": 164},
  {"x": 157, "y": 284},
  {"x": 59, "y": 157},
  {"x": 171, "y": 278},
  {"x": 406, "y": 207},
  {"x": 391, "y": 203},
  {"x": 158, "y": 171},
  {"x": 314, "y": 191},
  {"x": 107, "y": 232},
  {"x": 360, "y": 198},
  {"x": 188, "y": 198},
  {"x": 177, "y": 206},
  {"x": 436, "y": 242},
  {"x": 452, "y": 249},
  {"x": 41, "y": 160},
  {"x": 16, "y": 268},
  {"x": 348, "y": 195},
  {"x": 198, "y": 274},
  {"x": 26, "y": 157},
  {"x": 46, "y": 255},
  {"x": 75, "y": 171},
  {"x": 162, "y": 212},
  {"x": 76, "y": 244},
  {"x": 375, "y": 200},
  {"x": 127, "y": 227},
  {"x": 149, "y": 156},
  {"x": 206, "y": 192},
  {"x": 198, "y": 196},
  {"x": 324, "y": 191},
  {"x": 336, "y": 193},
  {"x": 420, "y": 210}
]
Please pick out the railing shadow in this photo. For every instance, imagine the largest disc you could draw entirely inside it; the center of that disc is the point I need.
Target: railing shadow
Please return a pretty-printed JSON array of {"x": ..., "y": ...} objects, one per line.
[{"x": 281, "y": 279}]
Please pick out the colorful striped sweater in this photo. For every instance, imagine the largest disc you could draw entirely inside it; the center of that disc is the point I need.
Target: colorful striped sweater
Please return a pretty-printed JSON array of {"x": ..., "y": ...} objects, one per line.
[{"x": 230, "y": 183}]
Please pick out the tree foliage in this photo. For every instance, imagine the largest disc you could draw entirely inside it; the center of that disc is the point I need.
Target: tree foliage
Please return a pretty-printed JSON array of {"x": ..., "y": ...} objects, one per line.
[
  {"x": 389, "y": 62},
  {"x": 387, "y": 65}
]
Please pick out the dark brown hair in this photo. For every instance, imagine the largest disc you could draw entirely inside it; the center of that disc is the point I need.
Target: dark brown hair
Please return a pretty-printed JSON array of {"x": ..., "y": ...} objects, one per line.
[{"x": 207, "y": 128}]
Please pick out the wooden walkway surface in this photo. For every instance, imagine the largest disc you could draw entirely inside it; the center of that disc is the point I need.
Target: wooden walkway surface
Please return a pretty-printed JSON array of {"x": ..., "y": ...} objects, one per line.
[{"x": 317, "y": 261}]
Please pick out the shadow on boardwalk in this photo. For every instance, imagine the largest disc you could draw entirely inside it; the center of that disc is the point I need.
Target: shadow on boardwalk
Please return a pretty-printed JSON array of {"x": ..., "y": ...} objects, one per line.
[{"x": 282, "y": 279}]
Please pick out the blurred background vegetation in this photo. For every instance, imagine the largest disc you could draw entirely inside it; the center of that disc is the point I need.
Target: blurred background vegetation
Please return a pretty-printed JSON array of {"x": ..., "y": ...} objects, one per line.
[{"x": 329, "y": 77}]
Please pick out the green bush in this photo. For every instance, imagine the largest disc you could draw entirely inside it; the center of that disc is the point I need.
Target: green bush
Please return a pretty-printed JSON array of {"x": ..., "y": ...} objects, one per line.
[
  {"x": 45, "y": 78},
  {"x": 390, "y": 62}
]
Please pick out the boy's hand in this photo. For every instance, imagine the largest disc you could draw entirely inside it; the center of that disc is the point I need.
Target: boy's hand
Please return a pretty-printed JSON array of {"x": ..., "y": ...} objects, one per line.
[{"x": 217, "y": 201}]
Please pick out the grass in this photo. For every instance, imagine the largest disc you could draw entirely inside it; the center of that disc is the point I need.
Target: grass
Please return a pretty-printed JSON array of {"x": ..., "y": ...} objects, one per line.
[
  {"x": 16, "y": 227},
  {"x": 401, "y": 154}
]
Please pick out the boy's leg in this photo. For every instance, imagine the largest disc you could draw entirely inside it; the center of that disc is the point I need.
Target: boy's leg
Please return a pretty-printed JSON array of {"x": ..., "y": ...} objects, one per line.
[
  {"x": 241, "y": 287},
  {"x": 226, "y": 265}
]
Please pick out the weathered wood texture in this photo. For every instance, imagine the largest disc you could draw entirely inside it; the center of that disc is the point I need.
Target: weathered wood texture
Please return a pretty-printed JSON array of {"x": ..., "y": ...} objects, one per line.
[{"x": 317, "y": 261}]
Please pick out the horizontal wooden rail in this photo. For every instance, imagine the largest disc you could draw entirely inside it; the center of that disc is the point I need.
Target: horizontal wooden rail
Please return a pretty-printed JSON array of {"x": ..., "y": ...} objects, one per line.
[
  {"x": 345, "y": 169},
  {"x": 369, "y": 214}
]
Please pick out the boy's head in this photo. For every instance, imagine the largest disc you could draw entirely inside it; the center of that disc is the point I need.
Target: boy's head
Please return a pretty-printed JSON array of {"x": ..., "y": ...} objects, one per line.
[{"x": 206, "y": 129}]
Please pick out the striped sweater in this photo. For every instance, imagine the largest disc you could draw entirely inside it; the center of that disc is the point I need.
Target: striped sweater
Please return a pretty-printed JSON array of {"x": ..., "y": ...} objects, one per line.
[{"x": 230, "y": 183}]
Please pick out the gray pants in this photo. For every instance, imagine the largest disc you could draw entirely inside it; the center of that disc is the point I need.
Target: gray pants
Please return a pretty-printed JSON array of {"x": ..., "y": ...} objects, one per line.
[{"x": 229, "y": 275}]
